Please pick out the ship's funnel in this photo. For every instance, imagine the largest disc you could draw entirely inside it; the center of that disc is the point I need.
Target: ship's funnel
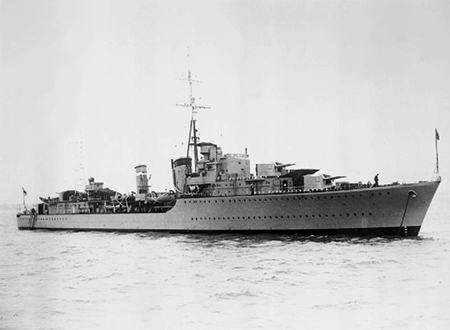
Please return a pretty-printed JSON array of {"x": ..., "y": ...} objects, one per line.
[
  {"x": 141, "y": 179},
  {"x": 181, "y": 167}
]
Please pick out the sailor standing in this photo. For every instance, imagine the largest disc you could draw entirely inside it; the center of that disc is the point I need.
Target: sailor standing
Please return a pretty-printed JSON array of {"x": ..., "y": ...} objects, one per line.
[{"x": 376, "y": 181}]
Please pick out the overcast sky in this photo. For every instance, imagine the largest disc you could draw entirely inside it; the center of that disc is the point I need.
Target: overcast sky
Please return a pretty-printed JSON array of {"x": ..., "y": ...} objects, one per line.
[{"x": 351, "y": 87}]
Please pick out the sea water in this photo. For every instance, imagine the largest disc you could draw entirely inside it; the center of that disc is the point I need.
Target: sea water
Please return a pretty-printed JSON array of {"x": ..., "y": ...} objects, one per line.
[{"x": 94, "y": 280}]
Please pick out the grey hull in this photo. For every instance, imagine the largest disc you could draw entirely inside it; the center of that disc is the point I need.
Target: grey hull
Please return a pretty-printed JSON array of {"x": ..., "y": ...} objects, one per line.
[{"x": 387, "y": 210}]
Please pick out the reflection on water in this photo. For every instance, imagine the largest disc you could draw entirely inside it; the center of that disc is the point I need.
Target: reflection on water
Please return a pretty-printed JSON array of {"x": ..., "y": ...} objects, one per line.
[{"x": 247, "y": 240}]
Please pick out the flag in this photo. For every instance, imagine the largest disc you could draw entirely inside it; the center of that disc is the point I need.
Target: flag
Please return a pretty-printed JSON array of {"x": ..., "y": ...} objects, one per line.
[
  {"x": 437, "y": 134},
  {"x": 24, "y": 192}
]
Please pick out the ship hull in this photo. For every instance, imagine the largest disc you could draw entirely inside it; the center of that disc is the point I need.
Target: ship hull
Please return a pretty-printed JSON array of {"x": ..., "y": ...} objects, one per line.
[{"x": 383, "y": 211}]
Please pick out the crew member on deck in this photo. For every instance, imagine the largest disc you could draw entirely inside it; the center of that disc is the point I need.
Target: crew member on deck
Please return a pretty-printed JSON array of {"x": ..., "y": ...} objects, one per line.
[
  {"x": 376, "y": 181},
  {"x": 252, "y": 189}
]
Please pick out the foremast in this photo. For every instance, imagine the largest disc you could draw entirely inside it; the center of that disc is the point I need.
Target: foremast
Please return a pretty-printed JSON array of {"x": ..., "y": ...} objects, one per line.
[{"x": 193, "y": 138}]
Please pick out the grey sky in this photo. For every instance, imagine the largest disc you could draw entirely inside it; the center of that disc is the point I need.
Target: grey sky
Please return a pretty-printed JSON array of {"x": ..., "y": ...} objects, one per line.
[{"x": 352, "y": 87}]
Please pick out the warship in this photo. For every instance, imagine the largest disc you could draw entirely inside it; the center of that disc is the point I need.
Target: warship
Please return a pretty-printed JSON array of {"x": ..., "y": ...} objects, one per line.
[{"x": 217, "y": 192}]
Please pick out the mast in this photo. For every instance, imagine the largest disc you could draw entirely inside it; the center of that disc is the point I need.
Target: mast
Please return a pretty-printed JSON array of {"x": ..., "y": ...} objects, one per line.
[
  {"x": 79, "y": 164},
  {"x": 192, "y": 139}
]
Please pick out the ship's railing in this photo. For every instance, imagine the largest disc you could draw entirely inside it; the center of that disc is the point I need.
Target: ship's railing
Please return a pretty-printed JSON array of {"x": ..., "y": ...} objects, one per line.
[
  {"x": 298, "y": 190},
  {"x": 301, "y": 190},
  {"x": 236, "y": 155}
]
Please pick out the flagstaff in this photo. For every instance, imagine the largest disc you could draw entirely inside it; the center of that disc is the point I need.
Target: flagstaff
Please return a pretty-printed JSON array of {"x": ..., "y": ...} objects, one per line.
[
  {"x": 24, "y": 193},
  {"x": 436, "y": 139}
]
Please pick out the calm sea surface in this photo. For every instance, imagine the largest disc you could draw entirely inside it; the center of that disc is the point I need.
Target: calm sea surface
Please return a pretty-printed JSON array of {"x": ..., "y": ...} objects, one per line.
[{"x": 91, "y": 280}]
